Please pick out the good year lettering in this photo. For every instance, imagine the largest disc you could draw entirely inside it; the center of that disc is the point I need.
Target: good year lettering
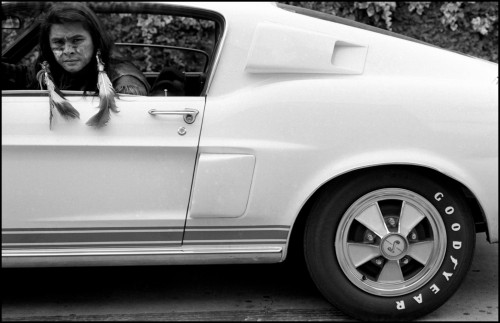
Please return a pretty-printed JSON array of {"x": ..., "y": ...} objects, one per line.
[{"x": 449, "y": 210}]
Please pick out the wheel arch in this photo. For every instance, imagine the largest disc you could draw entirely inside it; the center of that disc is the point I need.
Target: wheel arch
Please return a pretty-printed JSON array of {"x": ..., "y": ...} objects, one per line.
[{"x": 295, "y": 244}]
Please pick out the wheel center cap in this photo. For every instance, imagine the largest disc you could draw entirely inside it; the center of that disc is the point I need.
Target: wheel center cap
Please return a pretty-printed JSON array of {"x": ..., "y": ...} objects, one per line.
[{"x": 394, "y": 246}]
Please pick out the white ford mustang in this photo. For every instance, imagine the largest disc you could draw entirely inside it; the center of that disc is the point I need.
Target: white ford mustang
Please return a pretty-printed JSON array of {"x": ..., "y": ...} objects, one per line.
[{"x": 372, "y": 154}]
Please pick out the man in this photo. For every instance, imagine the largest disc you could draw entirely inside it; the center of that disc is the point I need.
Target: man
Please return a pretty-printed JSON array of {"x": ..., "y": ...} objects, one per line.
[
  {"x": 70, "y": 37},
  {"x": 75, "y": 54}
]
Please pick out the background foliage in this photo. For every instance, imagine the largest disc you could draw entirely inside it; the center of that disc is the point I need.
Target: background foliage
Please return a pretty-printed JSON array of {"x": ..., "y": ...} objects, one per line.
[
  {"x": 161, "y": 30},
  {"x": 467, "y": 27},
  {"x": 133, "y": 27}
]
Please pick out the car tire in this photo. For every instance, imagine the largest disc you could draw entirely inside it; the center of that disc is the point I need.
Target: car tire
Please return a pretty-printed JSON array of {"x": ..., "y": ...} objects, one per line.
[{"x": 389, "y": 245}]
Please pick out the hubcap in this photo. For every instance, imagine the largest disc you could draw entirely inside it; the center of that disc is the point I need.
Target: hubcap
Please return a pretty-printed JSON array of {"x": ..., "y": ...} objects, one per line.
[
  {"x": 390, "y": 242},
  {"x": 393, "y": 246}
]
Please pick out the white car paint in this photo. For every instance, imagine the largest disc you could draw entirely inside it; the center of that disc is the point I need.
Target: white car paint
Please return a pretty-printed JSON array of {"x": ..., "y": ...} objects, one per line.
[
  {"x": 280, "y": 130},
  {"x": 222, "y": 185},
  {"x": 134, "y": 174},
  {"x": 314, "y": 127}
]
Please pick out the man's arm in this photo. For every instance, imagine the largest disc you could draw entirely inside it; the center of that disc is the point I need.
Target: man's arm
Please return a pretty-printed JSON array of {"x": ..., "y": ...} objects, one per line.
[{"x": 129, "y": 85}]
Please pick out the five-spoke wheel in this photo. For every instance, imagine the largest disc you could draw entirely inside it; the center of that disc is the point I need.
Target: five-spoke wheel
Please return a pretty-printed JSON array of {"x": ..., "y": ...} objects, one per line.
[{"x": 390, "y": 244}]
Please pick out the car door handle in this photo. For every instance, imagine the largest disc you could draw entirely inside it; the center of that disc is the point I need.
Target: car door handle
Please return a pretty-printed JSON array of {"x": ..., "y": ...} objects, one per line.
[{"x": 189, "y": 114}]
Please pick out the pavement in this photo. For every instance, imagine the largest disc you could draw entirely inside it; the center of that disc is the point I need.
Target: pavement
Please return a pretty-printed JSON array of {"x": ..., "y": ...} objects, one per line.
[{"x": 270, "y": 292}]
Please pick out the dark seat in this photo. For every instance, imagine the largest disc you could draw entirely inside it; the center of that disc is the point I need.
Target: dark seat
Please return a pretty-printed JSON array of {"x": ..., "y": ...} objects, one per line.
[
  {"x": 177, "y": 83},
  {"x": 194, "y": 83},
  {"x": 169, "y": 79}
]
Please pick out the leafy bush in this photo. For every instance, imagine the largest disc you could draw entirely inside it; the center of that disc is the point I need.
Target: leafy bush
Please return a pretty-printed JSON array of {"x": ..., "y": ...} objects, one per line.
[
  {"x": 161, "y": 30},
  {"x": 135, "y": 28},
  {"x": 467, "y": 27}
]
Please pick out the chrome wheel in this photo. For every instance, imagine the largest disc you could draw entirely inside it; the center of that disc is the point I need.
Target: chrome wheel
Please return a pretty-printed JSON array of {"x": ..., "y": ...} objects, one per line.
[{"x": 390, "y": 242}]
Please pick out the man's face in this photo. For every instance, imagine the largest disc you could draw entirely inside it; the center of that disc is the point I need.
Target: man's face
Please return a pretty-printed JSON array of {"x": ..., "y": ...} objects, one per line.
[{"x": 72, "y": 46}]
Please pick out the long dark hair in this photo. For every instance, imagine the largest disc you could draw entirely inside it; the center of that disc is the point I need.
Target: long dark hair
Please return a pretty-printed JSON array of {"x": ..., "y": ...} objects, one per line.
[{"x": 71, "y": 12}]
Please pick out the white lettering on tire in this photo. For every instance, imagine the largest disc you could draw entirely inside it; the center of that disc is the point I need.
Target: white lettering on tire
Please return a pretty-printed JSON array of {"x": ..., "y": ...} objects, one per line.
[
  {"x": 454, "y": 261},
  {"x": 400, "y": 305},
  {"x": 434, "y": 288},
  {"x": 447, "y": 275},
  {"x": 418, "y": 298}
]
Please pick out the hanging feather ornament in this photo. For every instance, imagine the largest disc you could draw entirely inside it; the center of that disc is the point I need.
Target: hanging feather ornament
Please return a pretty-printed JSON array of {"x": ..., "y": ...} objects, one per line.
[
  {"x": 56, "y": 98},
  {"x": 106, "y": 94}
]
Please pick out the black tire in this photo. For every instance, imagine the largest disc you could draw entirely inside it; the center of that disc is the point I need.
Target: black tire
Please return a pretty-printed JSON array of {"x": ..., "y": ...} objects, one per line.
[{"x": 372, "y": 270}]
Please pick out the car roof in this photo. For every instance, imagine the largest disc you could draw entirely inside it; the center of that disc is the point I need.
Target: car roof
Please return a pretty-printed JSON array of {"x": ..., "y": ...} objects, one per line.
[{"x": 226, "y": 6}]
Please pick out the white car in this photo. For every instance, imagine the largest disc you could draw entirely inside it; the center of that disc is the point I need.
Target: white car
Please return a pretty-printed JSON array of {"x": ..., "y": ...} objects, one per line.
[{"x": 373, "y": 154}]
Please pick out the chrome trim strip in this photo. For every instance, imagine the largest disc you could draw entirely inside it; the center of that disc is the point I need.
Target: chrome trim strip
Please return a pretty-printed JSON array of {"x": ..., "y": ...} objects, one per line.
[
  {"x": 86, "y": 231},
  {"x": 239, "y": 228},
  {"x": 145, "y": 259},
  {"x": 233, "y": 242},
  {"x": 140, "y": 229},
  {"x": 16, "y": 238},
  {"x": 240, "y": 235},
  {"x": 97, "y": 229},
  {"x": 12, "y": 246},
  {"x": 138, "y": 251},
  {"x": 101, "y": 244}
]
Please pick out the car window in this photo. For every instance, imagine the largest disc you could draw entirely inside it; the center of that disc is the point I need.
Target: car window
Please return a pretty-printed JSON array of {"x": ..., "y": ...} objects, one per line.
[
  {"x": 172, "y": 46},
  {"x": 182, "y": 42},
  {"x": 18, "y": 20},
  {"x": 25, "y": 16}
]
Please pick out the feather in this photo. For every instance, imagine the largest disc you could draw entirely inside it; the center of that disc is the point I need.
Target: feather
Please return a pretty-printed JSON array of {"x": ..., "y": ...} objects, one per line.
[
  {"x": 39, "y": 76},
  {"x": 56, "y": 98},
  {"x": 106, "y": 95}
]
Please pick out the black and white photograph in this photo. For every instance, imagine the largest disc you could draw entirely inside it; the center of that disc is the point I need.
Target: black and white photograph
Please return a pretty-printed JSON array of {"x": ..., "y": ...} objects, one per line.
[{"x": 250, "y": 161}]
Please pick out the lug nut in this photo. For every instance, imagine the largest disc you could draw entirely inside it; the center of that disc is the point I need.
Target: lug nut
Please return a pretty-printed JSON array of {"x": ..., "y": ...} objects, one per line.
[
  {"x": 414, "y": 236},
  {"x": 369, "y": 237},
  {"x": 378, "y": 261},
  {"x": 405, "y": 261},
  {"x": 392, "y": 222}
]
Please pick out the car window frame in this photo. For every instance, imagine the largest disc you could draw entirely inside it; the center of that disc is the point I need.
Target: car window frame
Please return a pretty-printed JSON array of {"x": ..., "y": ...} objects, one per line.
[{"x": 143, "y": 8}]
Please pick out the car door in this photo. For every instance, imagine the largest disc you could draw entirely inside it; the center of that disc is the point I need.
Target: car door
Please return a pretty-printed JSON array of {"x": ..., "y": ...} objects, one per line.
[
  {"x": 74, "y": 186},
  {"x": 69, "y": 186}
]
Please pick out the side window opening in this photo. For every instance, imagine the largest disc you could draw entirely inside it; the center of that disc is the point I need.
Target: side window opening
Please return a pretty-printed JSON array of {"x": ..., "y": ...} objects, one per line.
[{"x": 173, "y": 50}]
